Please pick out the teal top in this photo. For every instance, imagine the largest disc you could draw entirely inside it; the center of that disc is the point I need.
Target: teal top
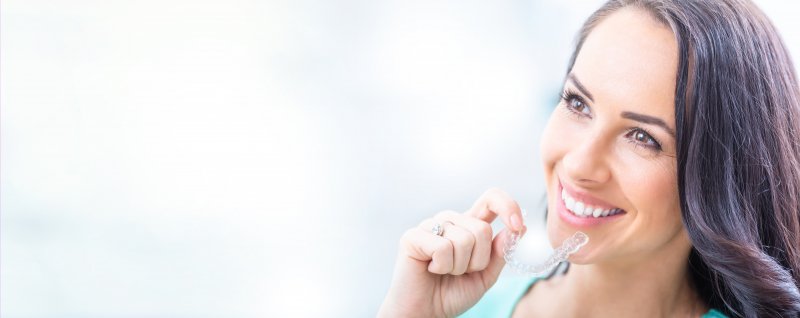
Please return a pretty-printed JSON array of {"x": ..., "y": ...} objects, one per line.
[{"x": 501, "y": 299}]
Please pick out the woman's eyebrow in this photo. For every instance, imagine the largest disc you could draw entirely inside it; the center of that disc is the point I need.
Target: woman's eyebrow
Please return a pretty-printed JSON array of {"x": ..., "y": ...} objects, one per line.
[
  {"x": 648, "y": 120},
  {"x": 580, "y": 86},
  {"x": 642, "y": 118}
]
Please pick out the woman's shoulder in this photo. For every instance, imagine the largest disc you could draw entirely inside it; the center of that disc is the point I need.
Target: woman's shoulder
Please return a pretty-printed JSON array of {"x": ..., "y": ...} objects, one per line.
[
  {"x": 501, "y": 299},
  {"x": 713, "y": 313}
]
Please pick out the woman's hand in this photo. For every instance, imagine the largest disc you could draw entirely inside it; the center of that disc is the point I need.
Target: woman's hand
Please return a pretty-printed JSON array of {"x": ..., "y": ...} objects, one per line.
[{"x": 443, "y": 276}]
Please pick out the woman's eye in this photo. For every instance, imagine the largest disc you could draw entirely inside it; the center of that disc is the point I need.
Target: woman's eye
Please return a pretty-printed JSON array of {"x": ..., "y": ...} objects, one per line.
[
  {"x": 642, "y": 137},
  {"x": 579, "y": 106},
  {"x": 576, "y": 104}
]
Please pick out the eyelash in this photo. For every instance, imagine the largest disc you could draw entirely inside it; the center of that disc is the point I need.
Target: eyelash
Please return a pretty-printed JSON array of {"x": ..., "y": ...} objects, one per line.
[{"x": 568, "y": 96}]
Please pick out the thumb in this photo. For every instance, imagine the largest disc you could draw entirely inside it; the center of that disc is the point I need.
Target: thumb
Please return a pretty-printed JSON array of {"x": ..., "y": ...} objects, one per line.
[{"x": 497, "y": 260}]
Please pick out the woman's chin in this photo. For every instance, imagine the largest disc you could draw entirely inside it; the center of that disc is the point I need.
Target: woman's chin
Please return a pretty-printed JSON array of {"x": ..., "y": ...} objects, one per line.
[{"x": 581, "y": 257}]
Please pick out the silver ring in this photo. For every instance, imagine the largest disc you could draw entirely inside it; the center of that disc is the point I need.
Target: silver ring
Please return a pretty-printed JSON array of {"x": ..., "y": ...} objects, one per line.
[{"x": 438, "y": 228}]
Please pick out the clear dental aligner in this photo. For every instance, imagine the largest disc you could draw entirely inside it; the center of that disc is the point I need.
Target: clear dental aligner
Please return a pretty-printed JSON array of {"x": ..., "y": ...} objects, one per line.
[{"x": 560, "y": 254}]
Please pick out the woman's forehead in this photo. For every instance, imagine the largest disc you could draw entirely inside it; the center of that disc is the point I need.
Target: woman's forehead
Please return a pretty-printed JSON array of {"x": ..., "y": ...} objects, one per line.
[{"x": 630, "y": 60}]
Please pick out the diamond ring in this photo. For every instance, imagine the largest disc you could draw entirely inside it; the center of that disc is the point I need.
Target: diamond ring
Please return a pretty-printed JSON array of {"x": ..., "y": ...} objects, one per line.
[{"x": 438, "y": 228}]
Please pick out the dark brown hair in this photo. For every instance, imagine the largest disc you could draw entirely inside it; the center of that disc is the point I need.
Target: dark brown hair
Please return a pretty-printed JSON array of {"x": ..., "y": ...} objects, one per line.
[{"x": 737, "y": 112}]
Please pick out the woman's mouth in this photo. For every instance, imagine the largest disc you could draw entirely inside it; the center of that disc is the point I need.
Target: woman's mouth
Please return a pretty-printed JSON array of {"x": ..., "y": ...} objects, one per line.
[
  {"x": 581, "y": 210},
  {"x": 586, "y": 210}
]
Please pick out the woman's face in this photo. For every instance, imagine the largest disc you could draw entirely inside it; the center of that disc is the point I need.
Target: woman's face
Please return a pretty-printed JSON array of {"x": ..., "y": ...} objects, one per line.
[{"x": 610, "y": 144}]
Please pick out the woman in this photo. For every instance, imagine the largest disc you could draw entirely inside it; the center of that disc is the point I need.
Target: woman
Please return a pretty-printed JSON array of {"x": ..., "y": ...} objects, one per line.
[{"x": 676, "y": 148}]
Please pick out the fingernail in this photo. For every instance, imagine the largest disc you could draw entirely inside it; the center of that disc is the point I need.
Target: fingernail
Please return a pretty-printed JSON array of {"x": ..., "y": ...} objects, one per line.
[{"x": 516, "y": 222}]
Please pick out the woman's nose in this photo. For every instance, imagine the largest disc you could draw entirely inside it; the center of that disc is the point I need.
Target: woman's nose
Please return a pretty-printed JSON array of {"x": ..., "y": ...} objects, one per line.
[{"x": 586, "y": 162}]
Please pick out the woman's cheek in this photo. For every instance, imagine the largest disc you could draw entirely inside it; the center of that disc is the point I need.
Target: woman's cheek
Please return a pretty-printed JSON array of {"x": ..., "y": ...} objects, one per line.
[
  {"x": 555, "y": 143},
  {"x": 652, "y": 190}
]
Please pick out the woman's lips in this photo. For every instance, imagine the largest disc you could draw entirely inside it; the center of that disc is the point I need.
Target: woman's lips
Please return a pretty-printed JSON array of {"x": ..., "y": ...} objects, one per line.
[
  {"x": 585, "y": 198},
  {"x": 584, "y": 220}
]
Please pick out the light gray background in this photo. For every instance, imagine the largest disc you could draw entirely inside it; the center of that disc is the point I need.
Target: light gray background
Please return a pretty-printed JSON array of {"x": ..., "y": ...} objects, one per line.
[{"x": 260, "y": 158}]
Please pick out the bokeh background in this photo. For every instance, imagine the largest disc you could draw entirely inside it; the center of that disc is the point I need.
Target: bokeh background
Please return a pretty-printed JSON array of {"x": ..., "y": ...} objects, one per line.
[{"x": 261, "y": 158}]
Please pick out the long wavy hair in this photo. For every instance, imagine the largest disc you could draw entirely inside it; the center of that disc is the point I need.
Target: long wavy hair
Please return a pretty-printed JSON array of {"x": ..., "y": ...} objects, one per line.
[{"x": 737, "y": 112}]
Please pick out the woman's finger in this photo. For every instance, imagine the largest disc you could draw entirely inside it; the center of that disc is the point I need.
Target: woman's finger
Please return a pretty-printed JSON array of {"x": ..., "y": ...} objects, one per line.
[
  {"x": 497, "y": 262},
  {"x": 462, "y": 240},
  {"x": 482, "y": 234},
  {"x": 495, "y": 202},
  {"x": 422, "y": 245}
]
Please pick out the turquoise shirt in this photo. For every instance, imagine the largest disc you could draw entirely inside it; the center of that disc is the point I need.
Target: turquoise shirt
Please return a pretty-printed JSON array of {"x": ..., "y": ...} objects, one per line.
[{"x": 501, "y": 299}]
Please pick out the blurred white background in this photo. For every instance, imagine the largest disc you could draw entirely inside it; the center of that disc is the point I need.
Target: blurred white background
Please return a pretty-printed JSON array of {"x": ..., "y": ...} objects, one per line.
[{"x": 260, "y": 158}]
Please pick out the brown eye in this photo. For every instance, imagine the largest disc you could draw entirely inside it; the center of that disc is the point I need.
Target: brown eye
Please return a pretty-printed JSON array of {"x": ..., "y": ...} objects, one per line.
[
  {"x": 579, "y": 106},
  {"x": 640, "y": 136},
  {"x": 575, "y": 104}
]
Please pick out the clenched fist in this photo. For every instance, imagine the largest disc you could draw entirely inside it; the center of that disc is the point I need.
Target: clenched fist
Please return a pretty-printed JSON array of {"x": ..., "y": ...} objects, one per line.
[{"x": 443, "y": 276}]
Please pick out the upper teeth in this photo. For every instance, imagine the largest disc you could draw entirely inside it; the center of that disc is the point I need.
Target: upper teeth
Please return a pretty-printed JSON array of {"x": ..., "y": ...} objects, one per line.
[{"x": 584, "y": 210}]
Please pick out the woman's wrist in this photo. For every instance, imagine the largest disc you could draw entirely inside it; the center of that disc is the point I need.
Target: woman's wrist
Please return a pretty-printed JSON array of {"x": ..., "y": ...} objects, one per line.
[{"x": 391, "y": 309}]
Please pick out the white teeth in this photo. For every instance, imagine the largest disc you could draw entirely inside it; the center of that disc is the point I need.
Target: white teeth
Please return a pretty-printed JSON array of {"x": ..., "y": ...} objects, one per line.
[
  {"x": 583, "y": 210},
  {"x": 579, "y": 208}
]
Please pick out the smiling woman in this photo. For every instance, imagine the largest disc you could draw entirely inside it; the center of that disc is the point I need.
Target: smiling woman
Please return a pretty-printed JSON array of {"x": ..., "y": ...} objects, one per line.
[{"x": 674, "y": 148}]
